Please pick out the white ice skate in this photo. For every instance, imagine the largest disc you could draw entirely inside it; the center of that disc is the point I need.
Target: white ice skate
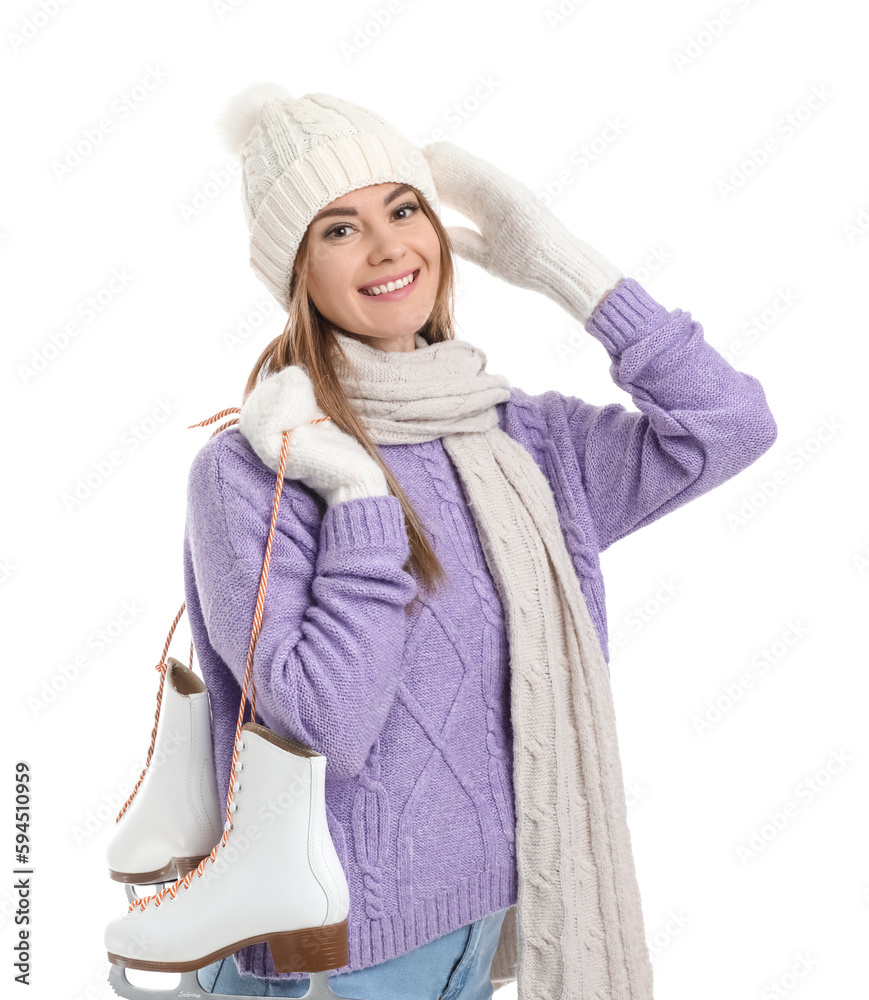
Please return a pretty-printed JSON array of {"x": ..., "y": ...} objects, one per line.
[
  {"x": 274, "y": 877},
  {"x": 173, "y": 819}
]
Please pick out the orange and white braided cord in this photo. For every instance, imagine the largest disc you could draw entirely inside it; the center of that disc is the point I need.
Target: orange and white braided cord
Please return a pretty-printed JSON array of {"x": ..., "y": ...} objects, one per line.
[{"x": 171, "y": 890}]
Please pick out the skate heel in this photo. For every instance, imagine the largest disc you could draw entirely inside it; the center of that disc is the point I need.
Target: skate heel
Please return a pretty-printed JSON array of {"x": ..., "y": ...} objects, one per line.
[
  {"x": 185, "y": 865},
  {"x": 313, "y": 949}
]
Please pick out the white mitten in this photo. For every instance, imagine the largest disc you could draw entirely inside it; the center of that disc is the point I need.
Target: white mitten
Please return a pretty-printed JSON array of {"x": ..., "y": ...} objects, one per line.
[
  {"x": 320, "y": 455},
  {"x": 520, "y": 240}
]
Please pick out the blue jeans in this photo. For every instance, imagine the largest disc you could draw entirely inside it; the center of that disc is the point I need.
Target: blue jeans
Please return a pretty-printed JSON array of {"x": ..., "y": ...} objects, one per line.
[{"x": 452, "y": 967}]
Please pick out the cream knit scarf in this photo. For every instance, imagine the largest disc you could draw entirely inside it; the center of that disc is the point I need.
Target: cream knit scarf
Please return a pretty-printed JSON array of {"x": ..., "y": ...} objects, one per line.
[{"x": 579, "y": 933}]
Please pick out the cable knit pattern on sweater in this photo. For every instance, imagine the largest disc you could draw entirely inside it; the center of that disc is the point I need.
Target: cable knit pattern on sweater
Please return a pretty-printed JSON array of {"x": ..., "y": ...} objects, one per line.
[{"x": 409, "y": 699}]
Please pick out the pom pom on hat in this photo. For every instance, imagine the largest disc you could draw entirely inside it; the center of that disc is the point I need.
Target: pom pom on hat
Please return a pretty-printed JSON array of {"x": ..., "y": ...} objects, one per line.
[{"x": 238, "y": 117}]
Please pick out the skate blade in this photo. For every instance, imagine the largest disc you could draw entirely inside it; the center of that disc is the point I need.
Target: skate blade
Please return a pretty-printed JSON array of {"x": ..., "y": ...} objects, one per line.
[
  {"x": 176, "y": 869},
  {"x": 189, "y": 986},
  {"x": 152, "y": 890}
]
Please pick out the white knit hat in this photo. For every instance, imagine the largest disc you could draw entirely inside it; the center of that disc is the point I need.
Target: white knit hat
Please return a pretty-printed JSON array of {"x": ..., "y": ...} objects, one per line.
[{"x": 300, "y": 153}]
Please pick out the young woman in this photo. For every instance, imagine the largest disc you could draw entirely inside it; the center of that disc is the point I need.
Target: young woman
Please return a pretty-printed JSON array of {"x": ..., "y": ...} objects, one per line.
[{"x": 435, "y": 622}]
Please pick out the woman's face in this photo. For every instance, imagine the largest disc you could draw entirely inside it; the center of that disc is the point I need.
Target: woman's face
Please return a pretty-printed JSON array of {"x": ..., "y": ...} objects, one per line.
[{"x": 369, "y": 237}]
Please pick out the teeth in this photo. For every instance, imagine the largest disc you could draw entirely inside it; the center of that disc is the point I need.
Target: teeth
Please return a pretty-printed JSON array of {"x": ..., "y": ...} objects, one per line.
[{"x": 390, "y": 286}]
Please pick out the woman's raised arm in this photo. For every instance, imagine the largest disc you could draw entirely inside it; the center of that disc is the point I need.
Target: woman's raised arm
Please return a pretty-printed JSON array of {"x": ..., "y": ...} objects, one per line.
[{"x": 700, "y": 421}]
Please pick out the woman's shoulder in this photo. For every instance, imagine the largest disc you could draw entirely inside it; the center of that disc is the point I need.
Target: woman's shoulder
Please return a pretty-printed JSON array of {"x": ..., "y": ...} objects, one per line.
[
  {"x": 226, "y": 470},
  {"x": 523, "y": 415}
]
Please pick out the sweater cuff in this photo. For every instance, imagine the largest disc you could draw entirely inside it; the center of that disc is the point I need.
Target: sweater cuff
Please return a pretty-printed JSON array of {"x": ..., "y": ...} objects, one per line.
[
  {"x": 365, "y": 522},
  {"x": 623, "y": 316}
]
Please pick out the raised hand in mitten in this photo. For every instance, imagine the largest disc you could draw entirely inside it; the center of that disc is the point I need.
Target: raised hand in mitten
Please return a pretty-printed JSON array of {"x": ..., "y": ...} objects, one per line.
[
  {"x": 320, "y": 455},
  {"x": 520, "y": 240}
]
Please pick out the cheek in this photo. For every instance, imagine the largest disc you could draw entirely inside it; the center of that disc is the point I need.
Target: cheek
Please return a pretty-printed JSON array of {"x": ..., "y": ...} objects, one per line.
[
  {"x": 325, "y": 281},
  {"x": 320, "y": 257},
  {"x": 314, "y": 290},
  {"x": 434, "y": 258},
  {"x": 431, "y": 248}
]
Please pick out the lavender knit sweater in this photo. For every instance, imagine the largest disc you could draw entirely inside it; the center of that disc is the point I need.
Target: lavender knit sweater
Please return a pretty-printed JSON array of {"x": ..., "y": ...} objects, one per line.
[{"x": 410, "y": 702}]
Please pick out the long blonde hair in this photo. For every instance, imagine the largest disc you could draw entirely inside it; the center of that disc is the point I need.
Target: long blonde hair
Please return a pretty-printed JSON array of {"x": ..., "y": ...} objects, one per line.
[{"x": 307, "y": 340}]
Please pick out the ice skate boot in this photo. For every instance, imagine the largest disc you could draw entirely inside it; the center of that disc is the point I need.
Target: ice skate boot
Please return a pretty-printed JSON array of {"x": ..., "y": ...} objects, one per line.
[
  {"x": 173, "y": 818},
  {"x": 275, "y": 877}
]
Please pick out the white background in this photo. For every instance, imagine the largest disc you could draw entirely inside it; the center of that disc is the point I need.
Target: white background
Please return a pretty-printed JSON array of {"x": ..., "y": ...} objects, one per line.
[{"x": 698, "y": 596}]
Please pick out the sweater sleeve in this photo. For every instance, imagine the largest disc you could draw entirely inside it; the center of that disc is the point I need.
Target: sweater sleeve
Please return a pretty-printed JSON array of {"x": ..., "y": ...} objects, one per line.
[
  {"x": 700, "y": 421},
  {"x": 329, "y": 655}
]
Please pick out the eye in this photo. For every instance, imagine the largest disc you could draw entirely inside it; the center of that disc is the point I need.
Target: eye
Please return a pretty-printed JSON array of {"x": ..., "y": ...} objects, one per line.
[
  {"x": 332, "y": 230},
  {"x": 409, "y": 206},
  {"x": 412, "y": 205}
]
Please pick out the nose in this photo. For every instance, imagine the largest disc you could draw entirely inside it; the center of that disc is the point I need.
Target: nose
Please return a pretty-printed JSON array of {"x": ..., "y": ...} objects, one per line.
[{"x": 386, "y": 244}]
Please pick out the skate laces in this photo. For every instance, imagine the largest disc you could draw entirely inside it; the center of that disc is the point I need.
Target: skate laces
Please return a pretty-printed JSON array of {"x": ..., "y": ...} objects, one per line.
[
  {"x": 172, "y": 890},
  {"x": 161, "y": 666}
]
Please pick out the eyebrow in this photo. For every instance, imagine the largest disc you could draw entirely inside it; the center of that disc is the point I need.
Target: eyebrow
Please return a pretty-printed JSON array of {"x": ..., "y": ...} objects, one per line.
[{"x": 352, "y": 211}]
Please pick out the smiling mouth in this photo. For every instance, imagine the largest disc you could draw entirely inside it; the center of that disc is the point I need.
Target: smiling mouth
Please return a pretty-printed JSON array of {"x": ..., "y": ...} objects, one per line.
[{"x": 388, "y": 287}]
